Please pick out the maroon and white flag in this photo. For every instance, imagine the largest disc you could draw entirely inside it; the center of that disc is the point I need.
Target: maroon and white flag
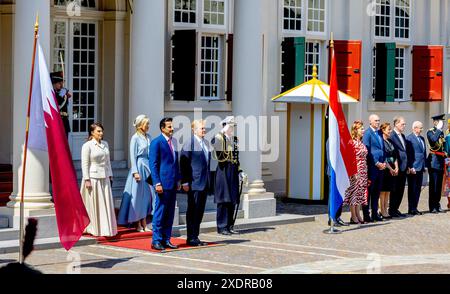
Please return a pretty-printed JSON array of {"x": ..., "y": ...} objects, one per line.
[{"x": 47, "y": 134}]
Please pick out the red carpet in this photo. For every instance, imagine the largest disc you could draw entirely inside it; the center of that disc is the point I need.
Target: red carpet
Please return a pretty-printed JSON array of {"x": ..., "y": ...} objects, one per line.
[{"x": 130, "y": 239}]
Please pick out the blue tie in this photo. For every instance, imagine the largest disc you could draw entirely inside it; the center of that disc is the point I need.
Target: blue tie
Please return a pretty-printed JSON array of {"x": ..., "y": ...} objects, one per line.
[{"x": 204, "y": 149}]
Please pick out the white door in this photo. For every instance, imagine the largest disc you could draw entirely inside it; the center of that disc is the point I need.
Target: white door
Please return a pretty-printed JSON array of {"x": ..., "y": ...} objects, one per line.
[{"x": 77, "y": 40}]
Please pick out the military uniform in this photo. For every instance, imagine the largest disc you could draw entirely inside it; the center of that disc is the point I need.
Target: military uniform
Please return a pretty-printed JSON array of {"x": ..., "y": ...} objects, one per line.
[
  {"x": 435, "y": 165},
  {"x": 226, "y": 182},
  {"x": 63, "y": 101}
]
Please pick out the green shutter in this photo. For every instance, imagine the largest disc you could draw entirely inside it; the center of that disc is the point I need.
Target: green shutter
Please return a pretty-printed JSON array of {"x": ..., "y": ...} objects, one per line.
[
  {"x": 385, "y": 71},
  {"x": 299, "y": 45}
]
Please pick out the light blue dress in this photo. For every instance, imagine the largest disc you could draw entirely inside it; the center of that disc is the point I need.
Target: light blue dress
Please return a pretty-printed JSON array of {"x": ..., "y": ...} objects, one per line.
[{"x": 137, "y": 197}]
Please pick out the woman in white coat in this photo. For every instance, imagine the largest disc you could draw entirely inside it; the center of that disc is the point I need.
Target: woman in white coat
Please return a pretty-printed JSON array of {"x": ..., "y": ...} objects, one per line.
[{"x": 96, "y": 185}]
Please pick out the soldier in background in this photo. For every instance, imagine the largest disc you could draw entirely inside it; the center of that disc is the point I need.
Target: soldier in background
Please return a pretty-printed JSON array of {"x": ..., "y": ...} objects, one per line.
[
  {"x": 226, "y": 188},
  {"x": 436, "y": 162},
  {"x": 62, "y": 96}
]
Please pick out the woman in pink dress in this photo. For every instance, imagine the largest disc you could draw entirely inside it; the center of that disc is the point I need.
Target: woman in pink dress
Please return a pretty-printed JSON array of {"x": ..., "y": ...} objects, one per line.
[{"x": 356, "y": 194}]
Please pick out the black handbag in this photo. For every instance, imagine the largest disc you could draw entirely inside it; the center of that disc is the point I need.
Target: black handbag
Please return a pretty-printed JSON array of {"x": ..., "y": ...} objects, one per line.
[{"x": 149, "y": 180}]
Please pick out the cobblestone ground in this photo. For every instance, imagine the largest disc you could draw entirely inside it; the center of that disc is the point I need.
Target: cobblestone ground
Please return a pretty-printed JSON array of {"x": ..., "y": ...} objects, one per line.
[{"x": 418, "y": 244}]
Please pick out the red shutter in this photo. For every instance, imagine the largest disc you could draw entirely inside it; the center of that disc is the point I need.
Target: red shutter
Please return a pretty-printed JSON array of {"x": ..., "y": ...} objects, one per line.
[
  {"x": 428, "y": 69},
  {"x": 348, "y": 62}
]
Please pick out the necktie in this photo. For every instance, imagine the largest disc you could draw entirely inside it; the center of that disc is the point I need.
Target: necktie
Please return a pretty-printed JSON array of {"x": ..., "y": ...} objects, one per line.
[
  {"x": 402, "y": 141},
  {"x": 204, "y": 149},
  {"x": 421, "y": 142},
  {"x": 171, "y": 147}
]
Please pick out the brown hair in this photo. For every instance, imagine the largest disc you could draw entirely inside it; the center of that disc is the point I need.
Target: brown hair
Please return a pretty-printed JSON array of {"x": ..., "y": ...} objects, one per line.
[
  {"x": 385, "y": 126},
  {"x": 355, "y": 128},
  {"x": 92, "y": 128}
]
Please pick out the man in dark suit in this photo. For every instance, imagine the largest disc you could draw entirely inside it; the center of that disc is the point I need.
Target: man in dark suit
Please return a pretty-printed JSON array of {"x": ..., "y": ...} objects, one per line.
[
  {"x": 376, "y": 163},
  {"x": 399, "y": 140},
  {"x": 62, "y": 96},
  {"x": 166, "y": 178},
  {"x": 195, "y": 171},
  {"x": 436, "y": 162},
  {"x": 417, "y": 153},
  {"x": 226, "y": 184}
]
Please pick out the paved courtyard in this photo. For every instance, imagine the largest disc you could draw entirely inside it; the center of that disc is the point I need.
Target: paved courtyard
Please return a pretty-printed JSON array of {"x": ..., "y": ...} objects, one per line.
[{"x": 418, "y": 244}]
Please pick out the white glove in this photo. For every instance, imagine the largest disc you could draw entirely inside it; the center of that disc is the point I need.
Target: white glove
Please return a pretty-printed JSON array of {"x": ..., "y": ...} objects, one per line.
[
  {"x": 440, "y": 125},
  {"x": 243, "y": 178}
]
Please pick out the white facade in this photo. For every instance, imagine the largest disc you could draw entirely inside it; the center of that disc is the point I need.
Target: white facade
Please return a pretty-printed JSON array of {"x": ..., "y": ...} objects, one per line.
[{"x": 119, "y": 64}]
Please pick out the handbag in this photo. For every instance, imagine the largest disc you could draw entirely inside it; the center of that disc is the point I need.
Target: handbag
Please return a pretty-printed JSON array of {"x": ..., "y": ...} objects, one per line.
[{"x": 149, "y": 180}]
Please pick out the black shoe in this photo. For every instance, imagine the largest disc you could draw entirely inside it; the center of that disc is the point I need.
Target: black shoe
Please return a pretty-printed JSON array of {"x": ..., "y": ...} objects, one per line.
[
  {"x": 157, "y": 246},
  {"x": 440, "y": 210},
  {"x": 200, "y": 243},
  {"x": 342, "y": 223},
  {"x": 170, "y": 246},
  {"x": 377, "y": 218},
  {"x": 368, "y": 219},
  {"x": 434, "y": 211},
  {"x": 225, "y": 233},
  {"x": 394, "y": 214},
  {"x": 400, "y": 214},
  {"x": 337, "y": 225},
  {"x": 352, "y": 222},
  {"x": 193, "y": 243},
  {"x": 233, "y": 232}
]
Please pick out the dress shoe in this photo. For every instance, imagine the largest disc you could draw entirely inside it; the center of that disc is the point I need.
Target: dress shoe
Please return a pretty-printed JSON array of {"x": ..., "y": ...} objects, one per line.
[
  {"x": 170, "y": 246},
  {"x": 233, "y": 232},
  {"x": 157, "y": 246},
  {"x": 440, "y": 210},
  {"x": 193, "y": 243},
  {"x": 337, "y": 225},
  {"x": 377, "y": 218},
  {"x": 368, "y": 219},
  {"x": 352, "y": 222},
  {"x": 225, "y": 233},
  {"x": 342, "y": 223},
  {"x": 434, "y": 211},
  {"x": 400, "y": 214}
]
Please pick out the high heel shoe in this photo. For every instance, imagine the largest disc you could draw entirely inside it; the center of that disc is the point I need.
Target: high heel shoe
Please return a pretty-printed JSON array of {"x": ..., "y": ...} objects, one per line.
[{"x": 352, "y": 222}]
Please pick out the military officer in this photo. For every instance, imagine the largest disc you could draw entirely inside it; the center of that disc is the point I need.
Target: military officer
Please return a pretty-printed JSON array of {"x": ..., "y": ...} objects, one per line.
[
  {"x": 62, "y": 96},
  {"x": 436, "y": 162},
  {"x": 227, "y": 185}
]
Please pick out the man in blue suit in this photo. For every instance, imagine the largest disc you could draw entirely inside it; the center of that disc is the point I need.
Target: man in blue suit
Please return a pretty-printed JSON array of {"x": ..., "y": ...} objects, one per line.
[
  {"x": 399, "y": 140},
  {"x": 376, "y": 163},
  {"x": 166, "y": 179},
  {"x": 195, "y": 163},
  {"x": 417, "y": 154}
]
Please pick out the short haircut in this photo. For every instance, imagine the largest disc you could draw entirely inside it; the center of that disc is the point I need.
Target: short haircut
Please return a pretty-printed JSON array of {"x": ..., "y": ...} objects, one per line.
[
  {"x": 196, "y": 123},
  {"x": 163, "y": 122},
  {"x": 397, "y": 119},
  {"x": 416, "y": 124}
]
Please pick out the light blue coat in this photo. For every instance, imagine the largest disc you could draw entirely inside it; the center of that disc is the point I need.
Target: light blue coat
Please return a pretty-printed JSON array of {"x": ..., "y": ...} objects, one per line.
[{"x": 138, "y": 196}]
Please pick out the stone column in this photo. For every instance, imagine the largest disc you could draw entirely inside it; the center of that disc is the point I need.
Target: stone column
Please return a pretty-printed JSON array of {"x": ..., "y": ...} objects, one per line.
[
  {"x": 114, "y": 74},
  {"x": 36, "y": 196},
  {"x": 148, "y": 43},
  {"x": 248, "y": 98}
]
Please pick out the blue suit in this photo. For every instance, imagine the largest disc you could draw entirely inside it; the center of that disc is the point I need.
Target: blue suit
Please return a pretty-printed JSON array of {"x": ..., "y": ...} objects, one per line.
[
  {"x": 195, "y": 163},
  {"x": 398, "y": 190},
  {"x": 165, "y": 171},
  {"x": 376, "y": 154},
  {"x": 417, "y": 154}
]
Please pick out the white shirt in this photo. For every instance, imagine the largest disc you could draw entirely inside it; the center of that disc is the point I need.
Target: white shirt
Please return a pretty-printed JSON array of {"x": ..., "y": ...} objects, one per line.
[
  {"x": 202, "y": 143},
  {"x": 401, "y": 138}
]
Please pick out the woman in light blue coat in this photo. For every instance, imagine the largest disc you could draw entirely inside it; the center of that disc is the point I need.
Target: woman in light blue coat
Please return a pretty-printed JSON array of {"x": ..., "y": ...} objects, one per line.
[{"x": 138, "y": 195}]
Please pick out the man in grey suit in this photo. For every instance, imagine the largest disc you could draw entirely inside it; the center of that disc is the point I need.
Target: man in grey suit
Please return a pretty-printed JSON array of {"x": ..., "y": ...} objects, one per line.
[
  {"x": 417, "y": 154},
  {"x": 195, "y": 171}
]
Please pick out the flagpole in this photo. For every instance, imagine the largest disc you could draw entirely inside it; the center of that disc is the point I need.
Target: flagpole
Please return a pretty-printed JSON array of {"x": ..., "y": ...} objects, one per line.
[{"x": 27, "y": 132}]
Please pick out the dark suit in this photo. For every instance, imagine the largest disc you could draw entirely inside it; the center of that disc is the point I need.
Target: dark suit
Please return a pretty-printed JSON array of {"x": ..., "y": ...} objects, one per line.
[
  {"x": 195, "y": 170},
  {"x": 417, "y": 153},
  {"x": 398, "y": 191},
  {"x": 165, "y": 171},
  {"x": 376, "y": 154},
  {"x": 435, "y": 164},
  {"x": 63, "y": 103}
]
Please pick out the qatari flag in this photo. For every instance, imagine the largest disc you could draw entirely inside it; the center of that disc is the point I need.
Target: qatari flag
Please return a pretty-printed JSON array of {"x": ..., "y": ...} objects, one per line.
[{"x": 47, "y": 134}]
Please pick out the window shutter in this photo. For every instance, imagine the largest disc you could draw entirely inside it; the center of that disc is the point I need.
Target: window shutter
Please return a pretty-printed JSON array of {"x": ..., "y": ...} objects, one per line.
[
  {"x": 230, "y": 48},
  {"x": 348, "y": 62},
  {"x": 293, "y": 62},
  {"x": 184, "y": 65},
  {"x": 427, "y": 73},
  {"x": 385, "y": 79}
]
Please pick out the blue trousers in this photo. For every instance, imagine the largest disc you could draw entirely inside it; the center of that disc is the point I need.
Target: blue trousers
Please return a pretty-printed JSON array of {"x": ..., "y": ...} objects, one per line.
[{"x": 163, "y": 216}]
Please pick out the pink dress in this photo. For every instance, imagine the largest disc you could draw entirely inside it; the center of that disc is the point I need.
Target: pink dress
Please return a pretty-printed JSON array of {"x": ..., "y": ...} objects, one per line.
[{"x": 356, "y": 194}]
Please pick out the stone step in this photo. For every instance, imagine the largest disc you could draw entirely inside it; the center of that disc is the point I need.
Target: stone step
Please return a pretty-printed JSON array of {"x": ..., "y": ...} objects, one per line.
[{"x": 47, "y": 227}]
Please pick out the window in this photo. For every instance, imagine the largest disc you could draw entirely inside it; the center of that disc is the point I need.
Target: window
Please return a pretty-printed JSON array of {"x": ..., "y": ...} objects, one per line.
[
  {"x": 316, "y": 16},
  {"x": 392, "y": 16},
  {"x": 402, "y": 12},
  {"x": 292, "y": 11},
  {"x": 399, "y": 74},
  {"x": 210, "y": 67},
  {"x": 185, "y": 11},
  {"x": 374, "y": 72},
  {"x": 59, "y": 45},
  {"x": 312, "y": 57},
  {"x": 82, "y": 3},
  {"x": 295, "y": 10},
  {"x": 214, "y": 12}
]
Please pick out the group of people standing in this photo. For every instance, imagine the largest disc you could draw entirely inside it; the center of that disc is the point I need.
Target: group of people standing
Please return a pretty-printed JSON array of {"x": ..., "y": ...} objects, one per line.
[{"x": 387, "y": 159}]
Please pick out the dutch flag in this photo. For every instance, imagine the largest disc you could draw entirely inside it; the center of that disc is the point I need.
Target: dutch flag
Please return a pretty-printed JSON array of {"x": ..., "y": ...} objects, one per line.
[{"x": 341, "y": 151}]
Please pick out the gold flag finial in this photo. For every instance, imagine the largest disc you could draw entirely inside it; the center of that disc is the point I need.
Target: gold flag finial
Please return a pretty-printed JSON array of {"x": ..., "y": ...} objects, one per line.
[
  {"x": 314, "y": 74},
  {"x": 332, "y": 40},
  {"x": 36, "y": 25}
]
